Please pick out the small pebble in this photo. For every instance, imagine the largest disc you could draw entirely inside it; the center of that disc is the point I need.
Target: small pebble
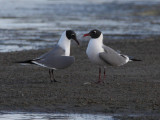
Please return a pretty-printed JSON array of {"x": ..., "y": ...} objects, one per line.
[{"x": 87, "y": 83}]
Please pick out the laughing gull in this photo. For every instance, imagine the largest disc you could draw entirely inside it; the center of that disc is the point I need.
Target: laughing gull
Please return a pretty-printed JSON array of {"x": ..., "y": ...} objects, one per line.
[
  {"x": 102, "y": 55},
  {"x": 59, "y": 57}
]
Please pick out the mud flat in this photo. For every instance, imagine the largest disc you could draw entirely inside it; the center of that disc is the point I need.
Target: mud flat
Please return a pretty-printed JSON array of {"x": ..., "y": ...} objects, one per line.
[{"x": 132, "y": 88}]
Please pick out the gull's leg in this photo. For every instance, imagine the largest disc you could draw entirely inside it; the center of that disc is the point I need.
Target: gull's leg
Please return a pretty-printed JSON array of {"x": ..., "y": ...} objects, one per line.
[
  {"x": 104, "y": 77},
  {"x": 54, "y": 80},
  {"x": 99, "y": 80},
  {"x": 50, "y": 75}
]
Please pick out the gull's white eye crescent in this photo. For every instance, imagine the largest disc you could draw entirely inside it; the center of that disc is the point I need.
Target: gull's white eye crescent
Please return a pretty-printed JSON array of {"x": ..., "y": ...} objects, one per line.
[
  {"x": 94, "y": 31},
  {"x": 72, "y": 34}
]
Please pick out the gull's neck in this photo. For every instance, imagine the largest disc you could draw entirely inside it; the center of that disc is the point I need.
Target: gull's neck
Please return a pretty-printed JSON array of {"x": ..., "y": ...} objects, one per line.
[
  {"x": 95, "y": 46},
  {"x": 97, "y": 41},
  {"x": 65, "y": 43}
]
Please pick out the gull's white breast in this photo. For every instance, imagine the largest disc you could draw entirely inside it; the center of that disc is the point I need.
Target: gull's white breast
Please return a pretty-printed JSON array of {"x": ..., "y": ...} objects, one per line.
[{"x": 93, "y": 50}]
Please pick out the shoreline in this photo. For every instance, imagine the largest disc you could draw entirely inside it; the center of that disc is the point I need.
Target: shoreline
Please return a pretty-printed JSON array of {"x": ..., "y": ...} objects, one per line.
[{"x": 132, "y": 88}]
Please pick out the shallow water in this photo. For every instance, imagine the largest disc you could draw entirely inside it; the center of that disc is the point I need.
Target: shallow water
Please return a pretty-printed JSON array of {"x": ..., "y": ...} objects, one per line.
[
  {"x": 71, "y": 116},
  {"x": 51, "y": 116},
  {"x": 34, "y": 24}
]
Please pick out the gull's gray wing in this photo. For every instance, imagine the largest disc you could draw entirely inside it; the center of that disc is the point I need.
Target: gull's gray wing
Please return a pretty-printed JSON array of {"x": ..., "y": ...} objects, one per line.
[
  {"x": 111, "y": 57},
  {"x": 56, "y": 51},
  {"x": 56, "y": 62},
  {"x": 54, "y": 59}
]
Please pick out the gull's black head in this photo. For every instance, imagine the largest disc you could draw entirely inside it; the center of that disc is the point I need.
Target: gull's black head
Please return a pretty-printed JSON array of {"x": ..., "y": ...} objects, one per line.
[
  {"x": 93, "y": 33},
  {"x": 71, "y": 35}
]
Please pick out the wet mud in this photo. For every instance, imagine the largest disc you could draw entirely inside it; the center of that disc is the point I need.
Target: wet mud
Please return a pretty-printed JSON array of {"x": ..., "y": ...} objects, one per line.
[{"x": 132, "y": 88}]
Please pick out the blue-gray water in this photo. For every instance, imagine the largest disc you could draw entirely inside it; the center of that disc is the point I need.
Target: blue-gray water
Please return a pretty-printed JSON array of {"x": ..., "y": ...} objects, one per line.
[
  {"x": 70, "y": 116},
  {"x": 35, "y": 24},
  {"x": 51, "y": 116}
]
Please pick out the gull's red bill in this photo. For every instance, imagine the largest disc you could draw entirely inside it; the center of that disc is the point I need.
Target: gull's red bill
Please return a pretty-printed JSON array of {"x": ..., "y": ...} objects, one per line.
[{"x": 86, "y": 35}]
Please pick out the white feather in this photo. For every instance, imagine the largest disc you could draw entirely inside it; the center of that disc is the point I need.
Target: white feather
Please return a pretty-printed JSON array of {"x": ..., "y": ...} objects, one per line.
[
  {"x": 65, "y": 43},
  {"x": 42, "y": 65}
]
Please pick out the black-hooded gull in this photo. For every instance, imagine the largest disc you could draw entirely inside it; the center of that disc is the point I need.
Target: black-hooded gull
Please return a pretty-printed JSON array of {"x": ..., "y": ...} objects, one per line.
[
  {"x": 59, "y": 57},
  {"x": 102, "y": 55}
]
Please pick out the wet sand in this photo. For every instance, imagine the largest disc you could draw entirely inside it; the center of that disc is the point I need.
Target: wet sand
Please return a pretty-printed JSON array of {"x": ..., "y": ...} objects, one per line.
[{"x": 132, "y": 88}]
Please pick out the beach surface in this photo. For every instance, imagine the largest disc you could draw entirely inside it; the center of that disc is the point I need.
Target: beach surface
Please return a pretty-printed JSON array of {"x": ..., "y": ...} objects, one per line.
[{"x": 132, "y": 88}]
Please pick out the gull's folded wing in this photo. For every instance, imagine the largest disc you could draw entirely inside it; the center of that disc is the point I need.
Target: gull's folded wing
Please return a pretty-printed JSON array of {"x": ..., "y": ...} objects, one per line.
[
  {"x": 111, "y": 57},
  {"x": 56, "y": 62}
]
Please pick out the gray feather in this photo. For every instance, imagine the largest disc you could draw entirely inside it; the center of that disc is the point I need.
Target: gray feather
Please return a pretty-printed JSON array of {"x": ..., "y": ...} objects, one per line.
[
  {"x": 54, "y": 59},
  {"x": 111, "y": 57},
  {"x": 56, "y": 51},
  {"x": 56, "y": 62}
]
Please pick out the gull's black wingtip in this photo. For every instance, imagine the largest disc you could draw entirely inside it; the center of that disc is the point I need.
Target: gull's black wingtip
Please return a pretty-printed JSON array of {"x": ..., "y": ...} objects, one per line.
[
  {"x": 135, "y": 59},
  {"x": 25, "y": 62}
]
